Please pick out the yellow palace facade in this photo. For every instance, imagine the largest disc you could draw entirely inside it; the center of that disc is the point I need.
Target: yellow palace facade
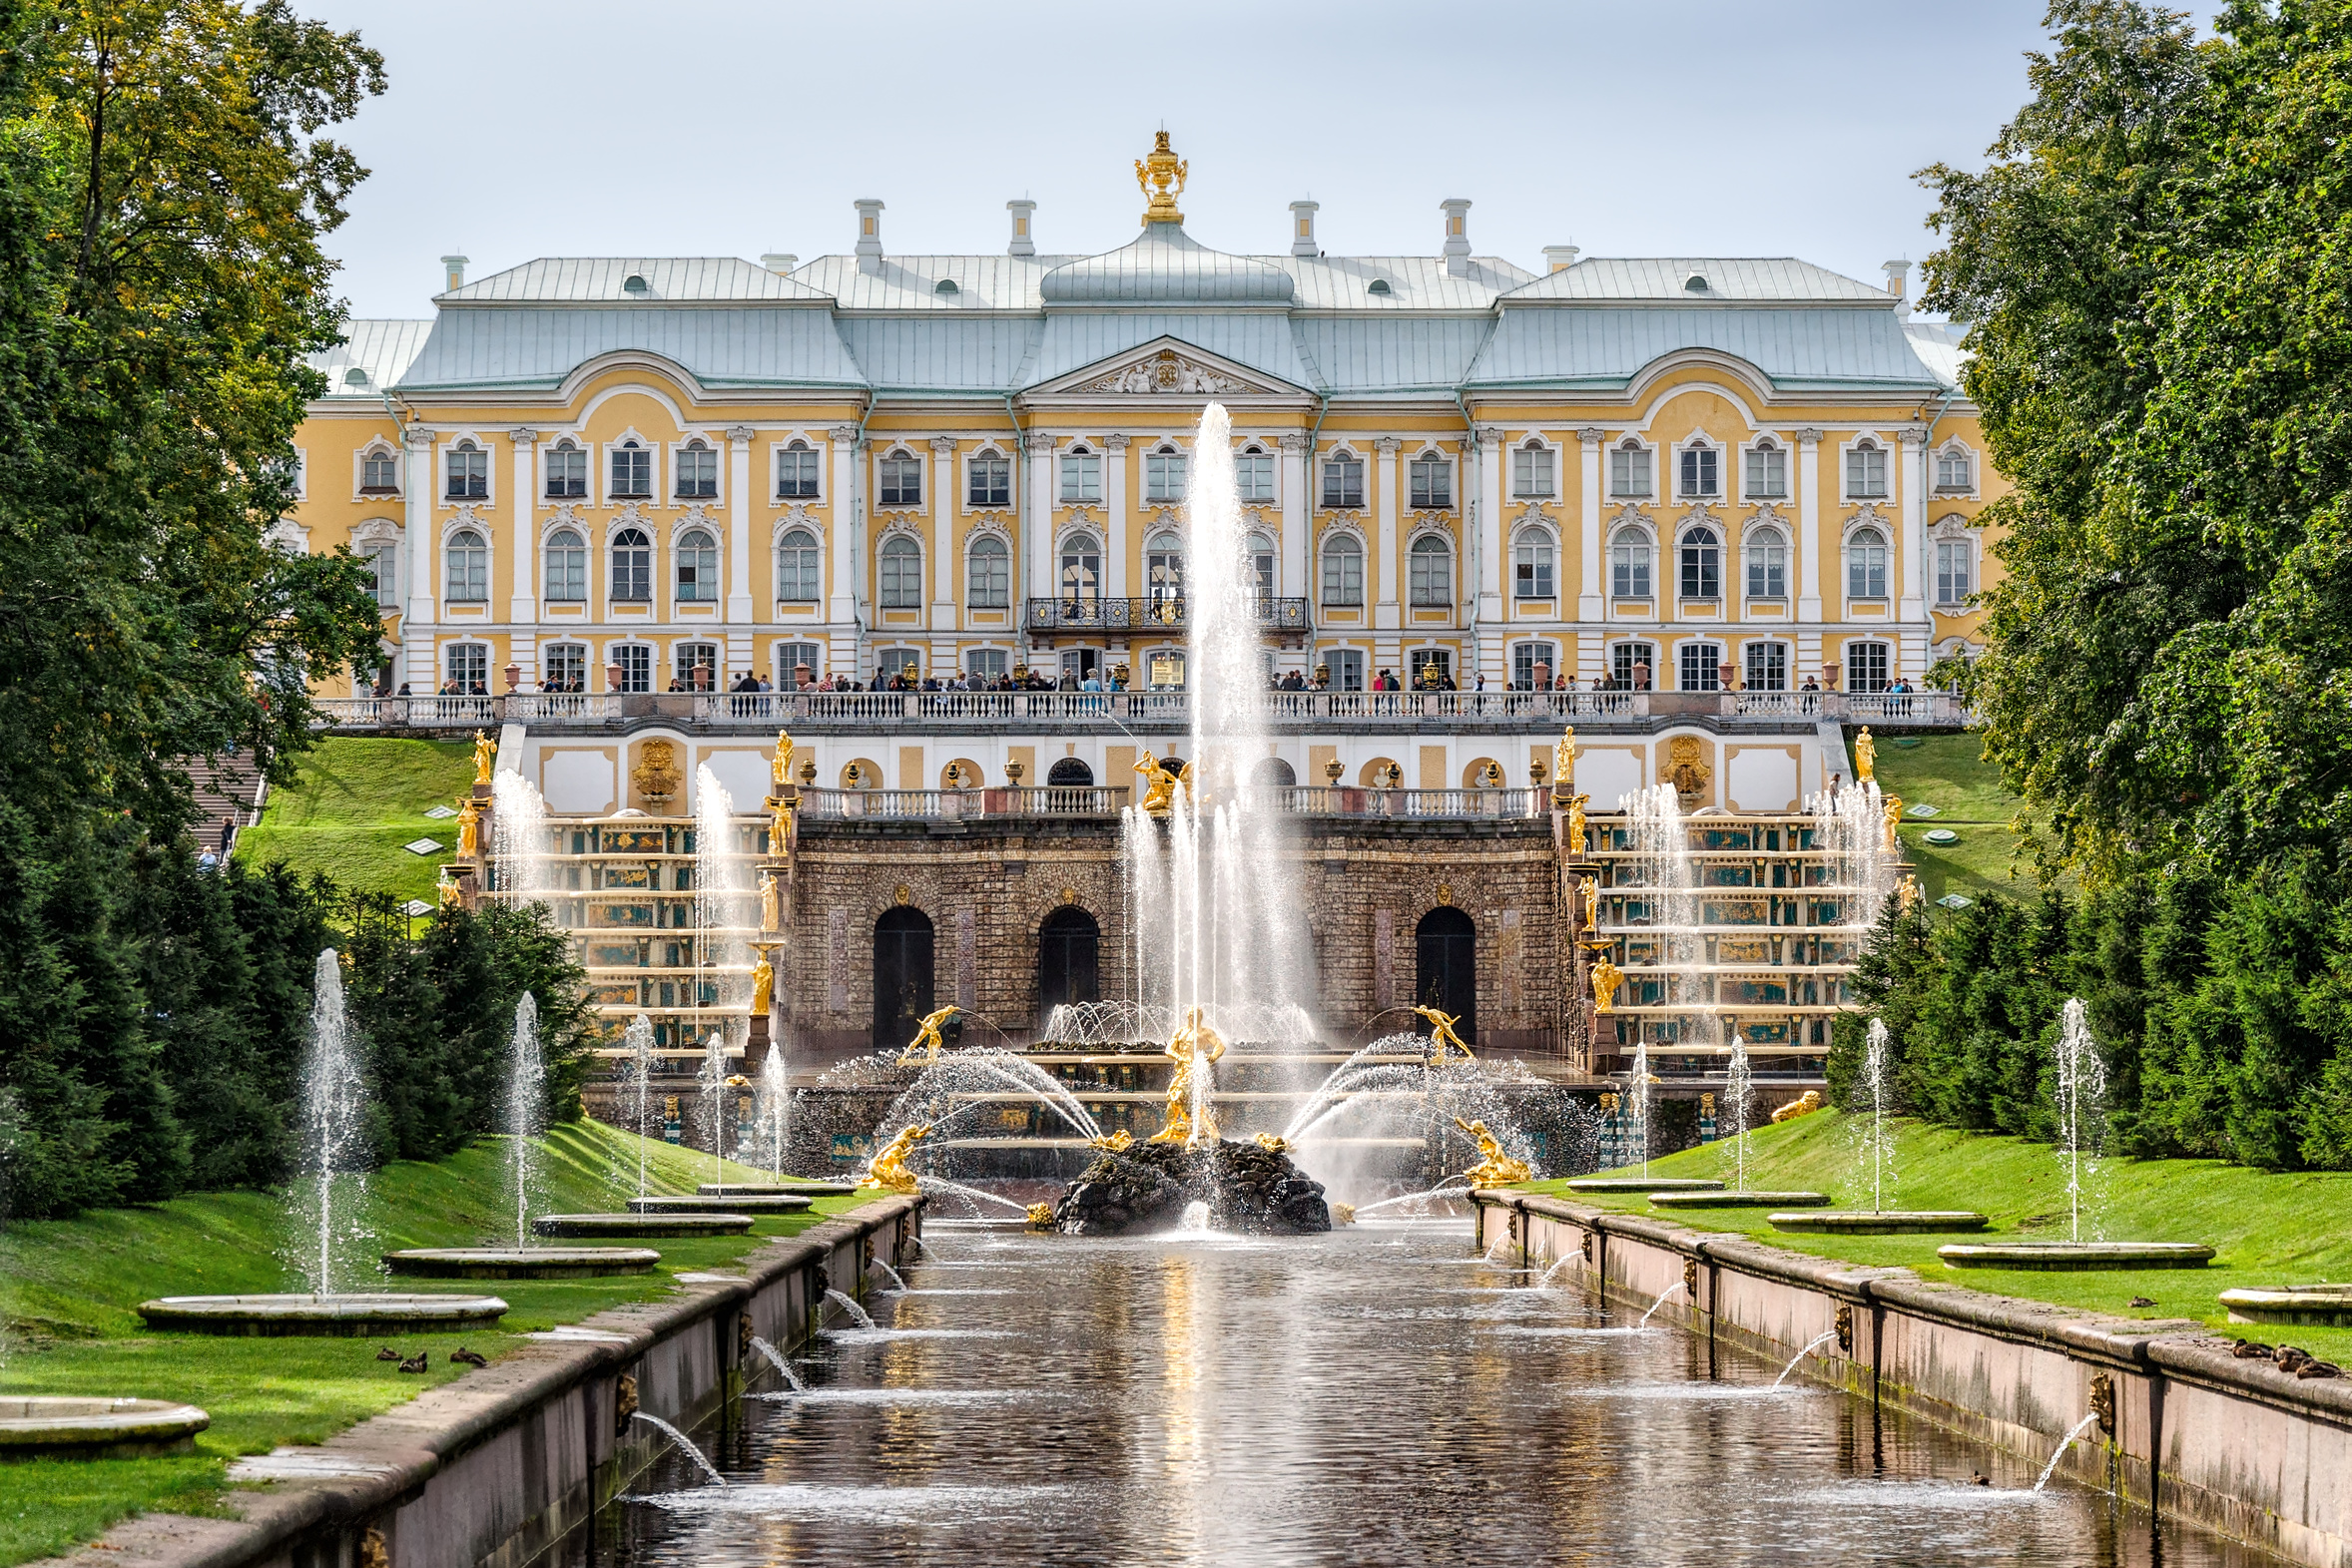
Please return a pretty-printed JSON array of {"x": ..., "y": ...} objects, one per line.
[{"x": 616, "y": 474}]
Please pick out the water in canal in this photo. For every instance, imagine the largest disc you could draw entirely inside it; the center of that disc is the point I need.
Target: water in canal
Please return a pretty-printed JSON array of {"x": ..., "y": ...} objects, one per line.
[{"x": 1373, "y": 1396}]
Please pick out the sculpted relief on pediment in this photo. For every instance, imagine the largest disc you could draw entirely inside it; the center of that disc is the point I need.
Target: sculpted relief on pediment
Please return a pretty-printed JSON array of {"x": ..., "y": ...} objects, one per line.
[{"x": 1168, "y": 371}]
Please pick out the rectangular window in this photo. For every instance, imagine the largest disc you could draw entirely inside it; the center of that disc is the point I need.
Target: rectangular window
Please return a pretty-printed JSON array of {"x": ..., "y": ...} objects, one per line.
[
  {"x": 469, "y": 474},
  {"x": 1768, "y": 472},
  {"x": 1163, "y": 476},
  {"x": 1433, "y": 484},
  {"x": 1699, "y": 476},
  {"x": 1431, "y": 576},
  {"x": 632, "y": 472},
  {"x": 991, "y": 481},
  {"x": 567, "y": 569},
  {"x": 1082, "y": 478},
  {"x": 1629, "y": 568},
  {"x": 1767, "y": 667},
  {"x": 1768, "y": 567},
  {"x": 790, "y": 658},
  {"x": 1531, "y": 570},
  {"x": 889, "y": 660},
  {"x": 1530, "y": 471},
  {"x": 1866, "y": 667},
  {"x": 1630, "y": 471},
  {"x": 796, "y": 475},
  {"x": 1346, "y": 668},
  {"x": 1952, "y": 470},
  {"x": 1343, "y": 575},
  {"x": 1954, "y": 568},
  {"x": 1866, "y": 471},
  {"x": 902, "y": 481},
  {"x": 901, "y": 576},
  {"x": 1699, "y": 667},
  {"x": 698, "y": 473},
  {"x": 697, "y": 666},
  {"x": 1432, "y": 666},
  {"x": 383, "y": 570},
  {"x": 567, "y": 668},
  {"x": 1631, "y": 664},
  {"x": 1253, "y": 476},
  {"x": 988, "y": 576},
  {"x": 469, "y": 669},
  {"x": 567, "y": 474},
  {"x": 636, "y": 661},
  {"x": 1525, "y": 658},
  {"x": 987, "y": 663},
  {"x": 380, "y": 474},
  {"x": 1343, "y": 482}
]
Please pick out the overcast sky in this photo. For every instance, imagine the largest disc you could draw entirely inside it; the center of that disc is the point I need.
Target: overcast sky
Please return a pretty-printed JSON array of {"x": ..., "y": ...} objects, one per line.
[{"x": 516, "y": 129}]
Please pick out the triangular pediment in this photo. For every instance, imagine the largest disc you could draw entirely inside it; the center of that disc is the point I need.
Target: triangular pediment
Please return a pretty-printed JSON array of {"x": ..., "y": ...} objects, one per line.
[{"x": 1167, "y": 368}]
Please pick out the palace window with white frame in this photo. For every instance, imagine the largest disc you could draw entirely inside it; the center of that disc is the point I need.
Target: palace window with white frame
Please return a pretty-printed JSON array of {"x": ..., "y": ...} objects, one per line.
[
  {"x": 790, "y": 658},
  {"x": 1433, "y": 483},
  {"x": 383, "y": 572},
  {"x": 987, "y": 663},
  {"x": 1429, "y": 572},
  {"x": 797, "y": 467},
  {"x": 1955, "y": 472},
  {"x": 1768, "y": 564},
  {"x": 632, "y": 567},
  {"x": 469, "y": 568},
  {"x": 698, "y": 472},
  {"x": 1765, "y": 667},
  {"x": 380, "y": 473},
  {"x": 1524, "y": 656},
  {"x": 1163, "y": 565},
  {"x": 1081, "y": 477},
  {"x": 632, "y": 472},
  {"x": 1435, "y": 665},
  {"x": 566, "y": 568},
  {"x": 1867, "y": 666},
  {"x": 797, "y": 567},
  {"x": 698, "y": 568},
  {"x": 1346, "y": 665},
  {"x": 987, "y": 576},
  {"x": 636, "y": 661},
  {"x": 1629, "y": 471},
  {"x": 1530, "y": 471},
  {"x": 1698, "y": 668},
  {"x": 688, "y": 657},
  {"x": 564, "y": 668},
  {"x": 469, "y": 665},
  {"x": 1531, "y": 566},
  {"x": 1866, "y": 470},
  {"x": 1163, "y": 475},
  {"x": 1260, "y": 550},
  {"x": 1629, "y": 565},
  {"x": 1701, "y": 477},
  {"x": 1866, "y": 565},
  {"x": 1632, "y": 665},
  {"x": 1954, "y": 572},
  {"x": 1081, "y": 570},
  {"x": 1343, "y": 482},
  {"x": 901, "y": 574},
  {"x": 1702, "y": 564},
  {"x": 1767, "y": 471},
  {"x": 1253, "y": 475},
  {"x": 890, "y": 661},
  {"x": 1343, "y": 571},
  {"x": 989, "y": 480},
  {"x": 567, "y": 472},
  {"x": 900, "y": 480},
  {"x": 469, "y": 473}
]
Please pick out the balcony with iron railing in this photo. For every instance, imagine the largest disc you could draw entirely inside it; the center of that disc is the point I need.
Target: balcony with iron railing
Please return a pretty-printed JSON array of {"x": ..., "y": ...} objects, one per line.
[{"x": 1150, "y": 616}]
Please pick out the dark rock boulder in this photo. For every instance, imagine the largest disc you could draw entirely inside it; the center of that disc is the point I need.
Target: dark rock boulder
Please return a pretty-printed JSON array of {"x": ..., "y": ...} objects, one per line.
[{"x": 1247, "y": 1187}]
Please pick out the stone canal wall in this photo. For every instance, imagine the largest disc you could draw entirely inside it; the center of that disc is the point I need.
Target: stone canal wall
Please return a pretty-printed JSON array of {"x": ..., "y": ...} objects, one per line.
[
  {"x": 495, "y": 1467},
  {"x": 2184, "y": 1429}
]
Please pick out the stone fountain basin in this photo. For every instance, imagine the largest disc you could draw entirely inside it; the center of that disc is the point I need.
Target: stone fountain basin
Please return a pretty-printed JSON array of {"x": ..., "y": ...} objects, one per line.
[
  {"x": 1643, "y": 1184},
  {"x": 2077, "y": 1255},
  {"x": 1890, "y": 1222},
  {"x": 2315, "y": 1304},
  {"x": 738, "y": 1202},
  {"x": 349, "y": 1317},
  {"x": 521, "y": 1263},
  {"x": 734, "y": 1223},
  {"x": 775, "y": 1189},
  {"x": 1728, "y": 1200},
  {"x": 71, "y": 1428}
]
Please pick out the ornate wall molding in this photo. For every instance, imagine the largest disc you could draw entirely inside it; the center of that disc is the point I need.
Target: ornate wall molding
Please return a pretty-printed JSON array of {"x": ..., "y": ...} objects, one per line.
[{"x": 1167, "y": 371}]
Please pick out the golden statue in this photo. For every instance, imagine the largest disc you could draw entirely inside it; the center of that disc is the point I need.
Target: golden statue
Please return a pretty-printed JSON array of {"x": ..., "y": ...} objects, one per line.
[
  {"x": 1894, "y": 809},
  {"x": 1117, "y": 1142},
  {"x": 1563, "y": 762},
  {"x": 1907, "y": 893},
  {"x": 1809, "y": 1102},
  {"x": 1576, "y": 823},
  {"x": 1040, "y": 1216},
  {"x": 780, "y": 767},
  {"x": 887, "y": 1172},
  {"x": 1441, "y": 1035},
  {"x": 1343, "y": 1214},
  {"x": 1591, "y": 903},
  {"x": 771, "y": 903},
  {"x": 1494, "y": 1168},
  {"x": 1866, "y": 753},
  {"x": 1162, "y": 177},
  {"x": 1273, "y": 1145},
  {"x": 451, "y": 896},
  {"x": 1193, "y": 1044},
  {"x": 763, "y": 982},
  {"x": 1159, "y": 787},
  {"x": 780, "y": 827},
  {"x": 469, "y": 828},
  {"x": 486, "y": 757},
  {"x": 927, "y": 1042},
  {"x": 1606, "y": 977}
]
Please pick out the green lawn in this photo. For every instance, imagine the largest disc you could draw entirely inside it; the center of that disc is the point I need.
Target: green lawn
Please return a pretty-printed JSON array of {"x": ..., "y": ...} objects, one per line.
[
  {"x": 67, "y": 1289},
  {"x": 1946, "y": 771},
  {"x": 356, "y": 802},
  {"x": 2266, "y": 1230}
]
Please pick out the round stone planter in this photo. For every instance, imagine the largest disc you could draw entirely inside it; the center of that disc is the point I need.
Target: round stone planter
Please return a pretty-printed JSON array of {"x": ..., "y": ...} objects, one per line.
[
  {"x": 521, "y": 1263},
  {"x": 655, "y": 1225},
  {"x": 1643, "y": 1184},
  {"x": 2320, "y": 1306},
  {"x": 1728, "y": 1200},
  {"x": 777, "y": 1188},
  {"x": 2077, "y": 1255},
  {"x": 69, "y": 1428},
  {"x": 1891, "y": 1222},
  {"x": 347, "y": 1317},
  {"x": 738, "y": 1202}
]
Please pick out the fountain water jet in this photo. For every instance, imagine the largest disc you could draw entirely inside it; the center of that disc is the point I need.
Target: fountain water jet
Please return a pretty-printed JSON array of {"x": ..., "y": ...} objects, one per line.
[
  {"x": 684, "y": 1446},
  {"x": 526, "y": 1118},
  {"x": 848, "y": 1303},
  {"x": 1814, "y": 1344},
  {"x": 2064, "y": 1444},
  {"x": 1660, "y": 1301},
  {"x": 792, "y": 1380},
  {"x": 332, "y": 1107},
  {"x": 1739, "y": 1096}
]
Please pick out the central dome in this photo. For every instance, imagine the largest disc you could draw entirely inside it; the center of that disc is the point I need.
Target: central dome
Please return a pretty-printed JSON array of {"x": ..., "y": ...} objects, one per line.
[{"x": 1165, "y": 265}]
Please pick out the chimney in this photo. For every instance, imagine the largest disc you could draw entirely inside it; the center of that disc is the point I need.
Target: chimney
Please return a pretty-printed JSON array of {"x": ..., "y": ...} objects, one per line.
[
  {"x": 779, "y": 262},
  {"x": 1560, "y": 258},
  {"x": 870, "y": 250},
  {"x": 1456, "y": 250},
  {"x": 1303, "y": 229},
  {"x": 452, "y": 271},
  {"x": 1024, "y": 237},
  {"x": 1897, "y": 274}
]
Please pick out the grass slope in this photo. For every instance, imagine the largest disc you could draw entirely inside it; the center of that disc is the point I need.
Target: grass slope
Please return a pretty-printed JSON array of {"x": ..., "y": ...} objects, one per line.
[
  {"x": 1947, "y": 773},
  {"x": 2266, "y": 1230},
  {"x": 356, "y": 802},
  {"x": 68, "y": 1289}
]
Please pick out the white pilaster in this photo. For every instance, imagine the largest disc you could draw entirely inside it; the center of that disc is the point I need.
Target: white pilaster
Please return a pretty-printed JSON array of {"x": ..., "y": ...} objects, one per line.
[
  {"x": 1037, "y": 525},
  {"x": 1298, "y": 577},
  {"x": 943, "y": 503},
  {"x": 1806, "y": 566},
  {"x": 844, "y": 532},
  {"x": 1589, "y": 525},
  {"x": 1388, "y": 611},
  {"x": 522, "y": 604},
  {"x": 1118, "y": 526},
  {"x": 740, "y": 597},
  {"x": 1486, "y": 528},
  {"x": 416, "y": 626},
  {"x": 1911, "y": 505}
]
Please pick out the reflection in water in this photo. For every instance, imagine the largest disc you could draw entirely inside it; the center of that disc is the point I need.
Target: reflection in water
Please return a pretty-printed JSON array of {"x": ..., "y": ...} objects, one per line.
[{"x": 1216, "y": 1402}]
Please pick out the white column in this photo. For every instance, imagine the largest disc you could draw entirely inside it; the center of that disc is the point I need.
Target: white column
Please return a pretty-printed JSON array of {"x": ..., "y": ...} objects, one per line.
[
  {"x": 1589, "y": 525},
  {"x": 943, "y": 504},
  {"x": 739, "y": 527},
  {"x": 1486, "y": 549},
  {"x": 1119, "y": 525},
  {"x": 522, "y": 606},
  {"x": 841, "y": 575},
  {"x": 1910, "y": 508},
  {"x": 1388, "y": 612},
  {"x": 416, "y": 626},
  {"x": 1806, "y": 566},
  {"x": 1037, "y": 526},
  {"x": 1297, "y": 574}
]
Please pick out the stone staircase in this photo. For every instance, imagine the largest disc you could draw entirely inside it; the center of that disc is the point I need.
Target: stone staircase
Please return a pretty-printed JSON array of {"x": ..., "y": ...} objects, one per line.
[{"x": 229, "y": 795}]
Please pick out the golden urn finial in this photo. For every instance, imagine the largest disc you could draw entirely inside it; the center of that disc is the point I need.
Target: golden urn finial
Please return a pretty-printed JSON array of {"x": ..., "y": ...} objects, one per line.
[{"x": 1162, "y": 177}]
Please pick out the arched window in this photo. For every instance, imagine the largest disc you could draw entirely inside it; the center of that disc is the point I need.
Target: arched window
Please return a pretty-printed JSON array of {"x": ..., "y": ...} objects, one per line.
[
  {"x": 1955, "y": 472},
  {"x": 901, "y": 574},
  {"x": 987, "y": 577},
  {"x": 1866, "y": 565},
  {"x": 797, "y": 567},
  {"x": 698, "y": 472},
  {"x": 1262, "y": 565},
  {"x": 1531, "y": 565},
  {"x": 1164, "y": 568},
  {"x": 1253, "y": 473},
  {"x": 1163, "y": 475},
  {"x": 1431, "y": 572},
  {"x": 1865, "y": 469},
  {"x": 1070, "y": 773},
  {"x": 698, "y": 568},
  {"x": 900, "y": 480},
  {"x": 469, "y": 473},
  {"x": 1274, "y": 773},
  {"x": 1433, "y": 483},
  {"x": 902, "y": 974},
  {"x": 469, "y": 568},
  {"x": 1081, "y": 477},
  {"x": 1702, "y": 564},
  {"x": 567, "y": 567},
  {"x": 1445, "y": 968},
  {"x": 1343, "y": 570},
  {"x": 1629, "y": 564},
  {"x": 632, "y": 567},
  {"x": 1068, "y": 961},
  {"x": 567, "y": 471},
  {"x": 380, "y": 471},
  {"x": 1699, "y": 667},
  {"x": 989, "y": 479},
  {"x": 1701, "y": 478},
  {"x": 1768, "y": 563},
  {"x": 796, "y": 474},
  {"x": 1629, "y": 470},
  {"x": 1767, "y": 471},
  {"x": 1081, "y": 570},
  {"x": 632, "y": 471},
  {"x": 1531, "y": 470}
]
